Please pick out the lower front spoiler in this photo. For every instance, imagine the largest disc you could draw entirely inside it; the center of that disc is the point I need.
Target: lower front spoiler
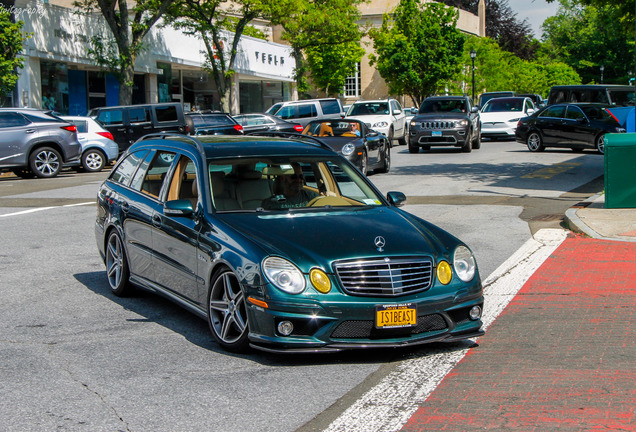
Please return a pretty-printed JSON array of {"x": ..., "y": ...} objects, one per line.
[{"x": 337, "y": 347}]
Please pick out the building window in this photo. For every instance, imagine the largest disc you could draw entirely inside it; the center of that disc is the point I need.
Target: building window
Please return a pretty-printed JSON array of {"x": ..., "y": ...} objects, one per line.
[{"x": 353, "y": 84}]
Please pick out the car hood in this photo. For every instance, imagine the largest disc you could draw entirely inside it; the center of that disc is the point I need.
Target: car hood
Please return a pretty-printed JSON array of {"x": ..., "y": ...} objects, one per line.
[
  {"x": 504, "y": 116},
  {"x": 372, "y": 119},
  {"x": 318, "y": 238}
]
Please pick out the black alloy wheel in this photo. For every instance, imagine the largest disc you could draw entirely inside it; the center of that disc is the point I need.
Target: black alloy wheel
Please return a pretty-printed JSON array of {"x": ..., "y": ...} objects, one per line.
[{"x": 227, "y": 311}]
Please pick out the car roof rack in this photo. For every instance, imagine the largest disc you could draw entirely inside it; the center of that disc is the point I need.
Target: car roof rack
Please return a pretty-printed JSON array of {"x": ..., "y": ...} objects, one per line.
[
  {"x": 182, "y": 138},
  {"x": 311, "y": 139}
]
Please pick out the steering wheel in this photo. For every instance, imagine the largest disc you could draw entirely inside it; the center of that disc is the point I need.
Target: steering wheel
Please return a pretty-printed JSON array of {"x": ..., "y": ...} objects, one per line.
[{"x": 323, "y": 201}]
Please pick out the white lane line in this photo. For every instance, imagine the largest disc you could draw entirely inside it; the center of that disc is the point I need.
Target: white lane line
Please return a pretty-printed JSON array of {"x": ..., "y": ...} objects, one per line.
[
  {"x": 390, "y": 404},
  {"x": 33, "y": 210}
]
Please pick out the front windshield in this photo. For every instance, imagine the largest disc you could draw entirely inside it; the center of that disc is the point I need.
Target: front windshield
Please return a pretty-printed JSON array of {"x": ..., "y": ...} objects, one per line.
[
  {"x": 274, "y": 109},
  {"x": 369, "y": 108},
  {"x": 503, "y": 105},
  {"x": 287, "y": 182},
  {"x": 334, "y": 128},
  {"x": 443, "y": 106}
]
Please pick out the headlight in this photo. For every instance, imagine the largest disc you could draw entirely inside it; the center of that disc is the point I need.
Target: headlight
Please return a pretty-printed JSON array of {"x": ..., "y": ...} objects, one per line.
[
  {"x": 284, "y": 275},
  {"x": 413, "y": 124},
  {"x": 380, "y": 124},
  {"x": 444, "y": 272},
  {"x": 462, "y": 123},
  {"x": 464, "y": 263},
  {"x": 348, "y": 149}
]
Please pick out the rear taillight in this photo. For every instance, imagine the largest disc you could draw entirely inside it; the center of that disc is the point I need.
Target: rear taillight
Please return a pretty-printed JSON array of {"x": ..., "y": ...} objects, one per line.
[
  {"x": 238, "y": 127},
  {"x": 70, "y": 128},
  {"x": 106, "y": 135},
  {"x": 298, "y": 128}
]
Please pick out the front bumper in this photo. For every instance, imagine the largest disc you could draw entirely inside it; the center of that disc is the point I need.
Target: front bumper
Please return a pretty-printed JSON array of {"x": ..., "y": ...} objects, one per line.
[
  {"x": 443, "y": 137},
  {"x": 335, "y": 326},
  {"x": 498, "y": 130}
]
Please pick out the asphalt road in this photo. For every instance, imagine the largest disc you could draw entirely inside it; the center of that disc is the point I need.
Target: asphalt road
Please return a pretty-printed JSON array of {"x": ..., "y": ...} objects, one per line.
[{"x": 74, "y": 357}]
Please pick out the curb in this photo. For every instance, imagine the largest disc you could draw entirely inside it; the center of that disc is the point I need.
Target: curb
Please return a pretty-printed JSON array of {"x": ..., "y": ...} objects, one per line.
[{"x": 576, "y": 225}]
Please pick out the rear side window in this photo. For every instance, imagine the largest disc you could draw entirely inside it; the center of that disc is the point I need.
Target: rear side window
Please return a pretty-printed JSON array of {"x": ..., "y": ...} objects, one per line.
[
  {"x": 11, "y": 119},
  {"x": 82, "y": 125},
  {"x": 126, "y": 169},
  {"x": 306, "y": 110},
  {"x": 153, "y": 178},
  {"x": 111, "y": 117},
  {"x": 330, "y": 107},
  {"x": 139, "y": 115},
  {"x": 216, "y": 120},
  {"x": 166, "y": 113},
  {"x": 574, "y": 113}
]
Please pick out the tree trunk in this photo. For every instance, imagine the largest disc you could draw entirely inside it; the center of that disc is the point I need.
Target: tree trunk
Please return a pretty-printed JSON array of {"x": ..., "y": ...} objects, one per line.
[{"x": 126, "y": 85}]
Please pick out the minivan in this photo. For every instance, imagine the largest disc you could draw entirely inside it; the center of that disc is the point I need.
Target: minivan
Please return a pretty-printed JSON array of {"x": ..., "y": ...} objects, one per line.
[
  {"x": 611, "y": 94},
  {"x": 304, "y": 111},
  {"x": 128, "y": 123}
]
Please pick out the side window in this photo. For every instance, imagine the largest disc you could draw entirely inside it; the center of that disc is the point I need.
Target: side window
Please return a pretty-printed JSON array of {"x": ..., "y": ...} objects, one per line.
[
  {"x": 166, "y": 113},
  {"x": 139, "y": 115},
  {"x": 330, "y": 106},
  {"x": 183, "y": 184},
  {"x": 150, "y": 181},
  {"x": 111, "y": 117},
  {"x": 11, "y": 119},
  {"x": 126, "y": 169},
  {"x": 287, "y": 112},
  {"x": 574, "y": 113},
  {"x": 556, "y": 112},
  {"x": 307, "y": 110}
]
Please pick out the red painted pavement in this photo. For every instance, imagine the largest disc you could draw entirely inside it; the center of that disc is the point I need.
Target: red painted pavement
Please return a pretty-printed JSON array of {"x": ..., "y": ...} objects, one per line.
[{"x": 562, "y": 355}]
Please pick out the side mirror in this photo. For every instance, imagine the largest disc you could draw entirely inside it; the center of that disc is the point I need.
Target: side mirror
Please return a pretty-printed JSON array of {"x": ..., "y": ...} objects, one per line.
[
  {"x": 396, "y": 199},
  {"x": 474, "y": 109},
  {"x": 397, "y": 112},
  {"x": 180, "y": 207},
  {"x": 372, "y": 133}
]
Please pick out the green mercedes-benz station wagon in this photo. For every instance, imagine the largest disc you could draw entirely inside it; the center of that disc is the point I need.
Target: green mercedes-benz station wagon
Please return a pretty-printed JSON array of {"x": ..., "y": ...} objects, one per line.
[{"x": 282, "y": 245}]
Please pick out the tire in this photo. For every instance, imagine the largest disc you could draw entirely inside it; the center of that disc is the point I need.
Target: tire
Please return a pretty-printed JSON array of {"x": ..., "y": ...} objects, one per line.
[
  {"x": 390, "y": 137},
  {"x": 364, "y": 164},
  {"x": 45, "y": 162},
  {"x": 387, "y": 161},
  {"x": 227, "y": 311},
  {"x": 402, "y": 141},
  {"x": 477, "y": 141},
  {"x": 600, "y": 143},
  {"x": 414, "y": 149},
  {"x": 117, "y": 269},
  {"x": 468, "y": 146},
  {"x": 93, "y": 160},
  {"x": 535, "y": 142}
]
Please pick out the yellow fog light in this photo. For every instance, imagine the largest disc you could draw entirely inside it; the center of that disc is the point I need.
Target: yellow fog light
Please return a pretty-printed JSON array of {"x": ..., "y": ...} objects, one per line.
[
  {"x": 444, "y": 272},
  {"x": 320, "y": 280}
]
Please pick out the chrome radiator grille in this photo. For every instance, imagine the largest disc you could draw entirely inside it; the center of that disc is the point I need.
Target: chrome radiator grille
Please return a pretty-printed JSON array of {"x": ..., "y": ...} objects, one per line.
[
  {"x": 438, "y": 125},
  {"x": 387, "y": 277}
]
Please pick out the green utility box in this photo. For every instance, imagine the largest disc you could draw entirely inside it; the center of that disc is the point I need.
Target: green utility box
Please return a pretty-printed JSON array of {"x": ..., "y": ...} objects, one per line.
[{"x": 620, "y": 170}]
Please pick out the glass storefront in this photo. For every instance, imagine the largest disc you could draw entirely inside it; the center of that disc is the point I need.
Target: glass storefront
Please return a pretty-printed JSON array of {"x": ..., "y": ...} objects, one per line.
[
  {"x": 54, "y": 78},
  {"x": 258, "y": 96}
]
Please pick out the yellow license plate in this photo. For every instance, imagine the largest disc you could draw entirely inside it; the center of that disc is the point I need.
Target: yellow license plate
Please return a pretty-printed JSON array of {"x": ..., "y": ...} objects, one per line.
[{"x": 395, "y": 316}]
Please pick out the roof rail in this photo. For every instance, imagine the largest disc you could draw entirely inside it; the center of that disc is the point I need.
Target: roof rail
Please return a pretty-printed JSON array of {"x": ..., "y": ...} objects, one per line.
[
  {"x": 311, "y": 139},
  {"x": 189, "y": 139}
]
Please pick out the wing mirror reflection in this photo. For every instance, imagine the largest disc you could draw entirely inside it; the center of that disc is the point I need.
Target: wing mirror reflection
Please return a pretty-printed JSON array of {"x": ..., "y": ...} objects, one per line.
[
  {"x": 180, "y": 207},
  {"x": 396, "y": 199}
]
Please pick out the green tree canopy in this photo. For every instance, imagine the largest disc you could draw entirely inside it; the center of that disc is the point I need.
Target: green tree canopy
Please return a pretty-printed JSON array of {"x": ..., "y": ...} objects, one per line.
[
  {"x": 499, "y": 70},
  {"x": 588, "y": 37},
  {"x": 418, "y": 48},
  {"x": 325, "y": 39},
  {"x": 11, "y": 38}
]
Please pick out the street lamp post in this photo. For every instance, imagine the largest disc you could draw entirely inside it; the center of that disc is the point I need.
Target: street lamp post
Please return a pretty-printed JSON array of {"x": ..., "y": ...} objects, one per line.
[
  {"x": 473, "y": 54},
  {"x": 602, "y": 69}
]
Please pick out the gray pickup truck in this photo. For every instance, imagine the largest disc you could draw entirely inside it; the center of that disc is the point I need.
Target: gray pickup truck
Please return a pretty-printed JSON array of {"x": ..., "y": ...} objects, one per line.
[{"x": 445, "y": 121}]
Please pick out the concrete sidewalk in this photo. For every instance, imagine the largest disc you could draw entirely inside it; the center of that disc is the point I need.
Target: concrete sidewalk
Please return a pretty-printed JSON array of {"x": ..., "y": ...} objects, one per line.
[{"x": 594, "y": 220}]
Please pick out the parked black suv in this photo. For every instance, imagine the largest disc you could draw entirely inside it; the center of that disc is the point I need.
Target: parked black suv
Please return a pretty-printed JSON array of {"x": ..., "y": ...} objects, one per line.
[
  {"x": 212, "y": 123},
  {"x": 36, "y": 143},
  {"x": 445, "y": 121},
  {"x": 128, "y": 123}
]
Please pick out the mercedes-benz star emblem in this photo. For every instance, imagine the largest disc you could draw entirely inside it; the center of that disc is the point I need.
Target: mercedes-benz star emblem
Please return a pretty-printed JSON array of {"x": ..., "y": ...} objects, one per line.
[{"x": 379, "y": 243}]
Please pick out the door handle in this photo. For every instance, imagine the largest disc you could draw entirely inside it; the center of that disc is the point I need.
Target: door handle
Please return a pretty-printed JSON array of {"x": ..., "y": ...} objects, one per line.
[
  {"x": 156, "y": 220},
  {"x": 125, "y": 207},
  {"x": 29, "y": 131}
]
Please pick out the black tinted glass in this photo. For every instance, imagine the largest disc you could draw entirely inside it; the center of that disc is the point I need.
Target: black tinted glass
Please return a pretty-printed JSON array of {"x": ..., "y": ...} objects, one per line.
[
  {"x": 166, "y": 113},
  {"x": 139, "y": 115},
  {"x": 330, "y": 107},
  {"x": 10, "y": 119}
]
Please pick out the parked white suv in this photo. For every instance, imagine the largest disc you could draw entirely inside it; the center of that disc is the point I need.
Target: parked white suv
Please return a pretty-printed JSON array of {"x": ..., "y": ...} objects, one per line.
[
  {"x": 305, "y": 111},
  {"x": 385, "y": 116}
]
